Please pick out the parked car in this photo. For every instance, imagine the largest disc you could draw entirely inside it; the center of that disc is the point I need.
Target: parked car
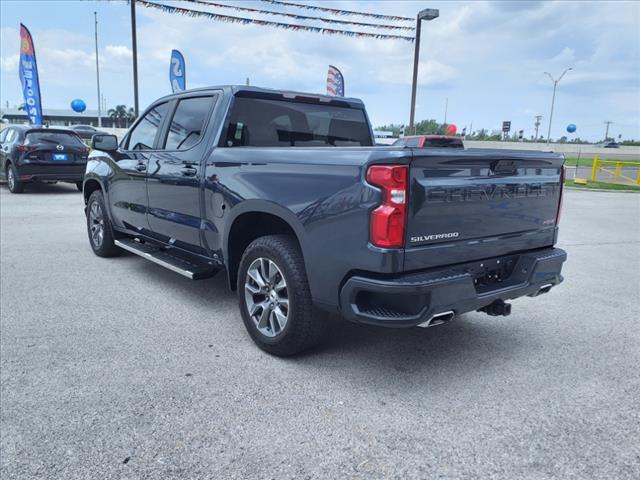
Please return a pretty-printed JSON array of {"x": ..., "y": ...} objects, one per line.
[
  {"x": 85, "y": 131},
  {"x": 35, "y": 154},
  {"x": 286, "y": 193},
  {"x": 430, "y": 141}
]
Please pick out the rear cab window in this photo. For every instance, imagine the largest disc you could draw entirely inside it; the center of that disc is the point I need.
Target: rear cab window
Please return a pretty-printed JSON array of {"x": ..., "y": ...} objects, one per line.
[
  {"x": 266, "y": 122},
  {"x": 443, "y": 143},
  {"x": 57, "y": 138}
]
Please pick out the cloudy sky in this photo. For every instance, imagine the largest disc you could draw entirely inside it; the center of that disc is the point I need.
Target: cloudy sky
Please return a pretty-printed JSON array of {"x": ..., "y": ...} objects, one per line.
[{"x": 487, "y": 58}]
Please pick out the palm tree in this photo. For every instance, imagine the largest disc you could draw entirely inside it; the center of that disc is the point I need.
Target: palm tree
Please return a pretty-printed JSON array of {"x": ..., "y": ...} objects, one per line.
[
  {"x": 131, "y": 116},
  {"x": 118, "y": 114}
]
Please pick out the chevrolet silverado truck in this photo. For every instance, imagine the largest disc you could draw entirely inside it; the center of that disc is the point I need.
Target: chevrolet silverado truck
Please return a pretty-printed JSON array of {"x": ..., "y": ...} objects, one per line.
[{"x": 286, "y": 193}]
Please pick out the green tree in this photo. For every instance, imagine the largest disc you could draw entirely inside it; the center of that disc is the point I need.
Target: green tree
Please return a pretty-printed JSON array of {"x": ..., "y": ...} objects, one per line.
[{"x": 119, "y": 115}]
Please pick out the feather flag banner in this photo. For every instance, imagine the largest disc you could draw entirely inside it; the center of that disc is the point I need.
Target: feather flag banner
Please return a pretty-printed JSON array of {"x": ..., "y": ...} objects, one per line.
[
  {"x": 177, "y": 72},
  {"x": 335, "y": 82},
  {"x": 250, "y": 21},
  {"x": 29, "y": 77},
  {"x": 300, "y": 17},
  {"x": 340, "y": 12}
]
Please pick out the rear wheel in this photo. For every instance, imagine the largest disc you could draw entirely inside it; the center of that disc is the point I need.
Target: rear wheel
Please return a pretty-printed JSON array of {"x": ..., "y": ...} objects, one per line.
[
  {"x": 15, "y": 185},
  {"x": 274, "y": 295},
  {"x": 99, "y": 227}
]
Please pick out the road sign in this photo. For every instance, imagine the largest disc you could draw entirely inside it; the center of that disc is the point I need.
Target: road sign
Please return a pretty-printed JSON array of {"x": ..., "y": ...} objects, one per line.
[{"x": 506, "y": 126}]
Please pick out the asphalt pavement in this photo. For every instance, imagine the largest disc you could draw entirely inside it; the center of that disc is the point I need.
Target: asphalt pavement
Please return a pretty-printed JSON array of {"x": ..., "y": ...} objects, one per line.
[{"x": 120, "y": 369}]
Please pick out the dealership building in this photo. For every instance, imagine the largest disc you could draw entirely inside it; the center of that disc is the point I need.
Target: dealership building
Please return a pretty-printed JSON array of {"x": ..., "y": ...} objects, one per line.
[{"x": 57, "y": 117}]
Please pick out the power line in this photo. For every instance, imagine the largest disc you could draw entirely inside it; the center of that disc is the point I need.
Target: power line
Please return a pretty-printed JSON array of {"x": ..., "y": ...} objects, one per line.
[
  {"x": 340, "y": 12},
  {"x": 299, "y": 17}
]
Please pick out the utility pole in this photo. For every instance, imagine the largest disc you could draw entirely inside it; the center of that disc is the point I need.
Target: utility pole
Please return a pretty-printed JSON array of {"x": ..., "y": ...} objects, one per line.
[
  {"x": 134, "y": 47},
  {"x": 537, "y": 125},
  {"x": 606, "y": 134},
  {"x": 426, "y": 14},
  {"x": 446, "y": 107},
  {"x": 95, "y": 15},
  {"x": 553, "y": 98}
]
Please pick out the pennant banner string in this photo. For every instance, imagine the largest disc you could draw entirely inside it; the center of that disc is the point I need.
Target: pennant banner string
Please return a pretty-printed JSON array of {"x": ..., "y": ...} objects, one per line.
[
  {"x": 300, "y": 17},
  {"x": 341, "y": 12},
  {"x": 249, "y": 21}
]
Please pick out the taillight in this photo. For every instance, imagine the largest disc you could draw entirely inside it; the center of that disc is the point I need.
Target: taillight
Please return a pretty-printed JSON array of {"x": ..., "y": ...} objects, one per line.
[
  {"x": 389, "y": 219},
  {"x": 562, "y": 174},
  {"x": 25, "y": 148}
]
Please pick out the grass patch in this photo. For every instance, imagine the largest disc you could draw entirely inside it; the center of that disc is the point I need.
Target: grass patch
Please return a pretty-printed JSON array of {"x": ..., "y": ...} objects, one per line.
[
  {"x": 584, "y": 161},
  {"x": 588, "y": 161},
  {"x": 602, "y": 186}
]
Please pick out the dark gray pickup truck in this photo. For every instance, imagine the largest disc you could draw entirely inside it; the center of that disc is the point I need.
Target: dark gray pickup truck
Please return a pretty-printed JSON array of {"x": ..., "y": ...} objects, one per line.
[{"x": 287, "y": 194}]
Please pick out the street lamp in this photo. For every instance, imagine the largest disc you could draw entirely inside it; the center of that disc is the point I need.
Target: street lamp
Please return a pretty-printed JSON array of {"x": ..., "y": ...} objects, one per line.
[
  {"x": 426, "y": 14},
  {"x": 553, "y": 99}
]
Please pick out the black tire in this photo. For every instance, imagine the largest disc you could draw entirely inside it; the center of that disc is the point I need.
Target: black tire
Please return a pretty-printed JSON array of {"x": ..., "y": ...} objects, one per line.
[
  {"x": 303, "y": 328},
  {"x": 15, "y": 185},
  {"x": 106, "y": 247},
  {"x": 79, "y": 186}
]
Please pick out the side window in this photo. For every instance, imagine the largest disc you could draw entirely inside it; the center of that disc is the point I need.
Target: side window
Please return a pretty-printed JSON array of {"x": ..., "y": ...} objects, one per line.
[
  {"x": 11, "y": 136},
  {"x": 3, "y": 135},
  {"x": 144, "y": 133},
  {"x": 413, "y": 142},
  {"x": 188, "y": 122}
]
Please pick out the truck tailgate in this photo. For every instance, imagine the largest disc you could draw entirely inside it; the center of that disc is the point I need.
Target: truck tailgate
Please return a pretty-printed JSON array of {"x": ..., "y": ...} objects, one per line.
[{"x": 480, "y": 204}]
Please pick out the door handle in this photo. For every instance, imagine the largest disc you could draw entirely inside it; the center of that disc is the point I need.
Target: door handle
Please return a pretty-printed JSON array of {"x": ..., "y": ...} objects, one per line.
[
  {"x": 141, "y": 167},
  {"x": 189, "y": 171}
]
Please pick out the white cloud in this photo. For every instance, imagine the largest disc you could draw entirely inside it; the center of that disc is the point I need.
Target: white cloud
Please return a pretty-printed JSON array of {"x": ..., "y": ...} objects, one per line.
[
  {"x": 114, "y": 51},
  {"x": 9, "y": 64}
]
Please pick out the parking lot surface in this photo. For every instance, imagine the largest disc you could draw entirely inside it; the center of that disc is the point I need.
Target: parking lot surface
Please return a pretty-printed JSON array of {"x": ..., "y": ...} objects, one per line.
[{"x": 117, "y": 368}]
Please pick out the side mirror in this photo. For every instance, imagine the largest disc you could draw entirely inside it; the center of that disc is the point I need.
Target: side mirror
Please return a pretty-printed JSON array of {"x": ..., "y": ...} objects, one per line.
[{"x": 104, "y": 142}]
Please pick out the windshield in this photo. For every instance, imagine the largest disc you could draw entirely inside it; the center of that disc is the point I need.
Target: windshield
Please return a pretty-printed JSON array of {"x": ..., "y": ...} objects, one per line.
[
  {"x": 58, "y": 138},
  {"x": 259, "y": 122}
]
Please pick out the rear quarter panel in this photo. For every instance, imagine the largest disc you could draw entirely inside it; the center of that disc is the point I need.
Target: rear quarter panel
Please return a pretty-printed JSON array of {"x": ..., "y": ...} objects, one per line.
[{"x": 320, "y": 192}]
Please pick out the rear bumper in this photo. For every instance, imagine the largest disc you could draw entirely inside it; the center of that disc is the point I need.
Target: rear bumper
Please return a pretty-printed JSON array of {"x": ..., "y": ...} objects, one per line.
[
  {"x": 411, "y": 299},
  {"x": 42, "y": 172}
]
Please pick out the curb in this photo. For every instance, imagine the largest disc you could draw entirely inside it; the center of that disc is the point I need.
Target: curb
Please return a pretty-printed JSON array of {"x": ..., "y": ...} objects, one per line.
[{"x": 601, "y": 190}]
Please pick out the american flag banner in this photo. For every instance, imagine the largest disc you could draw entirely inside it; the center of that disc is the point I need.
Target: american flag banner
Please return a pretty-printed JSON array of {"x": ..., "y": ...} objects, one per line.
[{"x": 335, "y": 82}]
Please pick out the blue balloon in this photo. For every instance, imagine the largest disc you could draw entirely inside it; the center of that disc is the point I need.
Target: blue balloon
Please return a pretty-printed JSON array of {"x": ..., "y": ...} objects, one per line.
[
  {"x": 571, "y": 128},
  {"x": 78, "y": 105}
]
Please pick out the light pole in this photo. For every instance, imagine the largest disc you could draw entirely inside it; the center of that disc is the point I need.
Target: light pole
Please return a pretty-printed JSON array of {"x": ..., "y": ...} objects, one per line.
[
  {"x": 134, "y": 46},
  {"x": 426, "y": 14},
  {"x": 606, "y": 133},
  {"x": 95, "y": 14},
  {"x": 553, "y": 99}
]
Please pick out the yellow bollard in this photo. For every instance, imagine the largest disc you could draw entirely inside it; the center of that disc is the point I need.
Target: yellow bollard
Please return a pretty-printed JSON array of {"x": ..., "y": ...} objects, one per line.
[
  {"x": 638, "y": 179},
  {"x": 594, "y": 169},
  {"x": 618, "y": 169}
]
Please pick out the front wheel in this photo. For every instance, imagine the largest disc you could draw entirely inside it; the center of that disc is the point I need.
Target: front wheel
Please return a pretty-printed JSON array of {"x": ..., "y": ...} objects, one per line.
[
  {"x": 99, "y": 227},
  {"x": 14, "y": 184},
  {"x": 274, "y": 295}
]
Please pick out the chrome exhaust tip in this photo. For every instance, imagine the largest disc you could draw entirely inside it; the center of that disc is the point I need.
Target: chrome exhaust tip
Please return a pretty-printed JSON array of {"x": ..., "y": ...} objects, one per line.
[
  {"x": 438, "y": 319},
  {"x": 544, "y": 289}
]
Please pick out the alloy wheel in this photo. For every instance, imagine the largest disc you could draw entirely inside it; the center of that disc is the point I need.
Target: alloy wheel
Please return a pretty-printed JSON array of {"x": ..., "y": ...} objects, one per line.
[
  {"x": 11, "y": 179},
  {"x": 96, "y": 224},
  {"x": 266, "y": 297}
]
